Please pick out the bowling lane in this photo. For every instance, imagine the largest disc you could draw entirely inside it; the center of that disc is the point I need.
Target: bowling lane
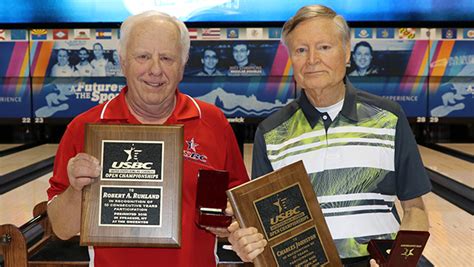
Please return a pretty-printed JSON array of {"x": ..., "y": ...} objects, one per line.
[
  {"x": 452, "y": 233},
  {"x": 464, "y": 148},
  {"x": 16, "y": 206}
]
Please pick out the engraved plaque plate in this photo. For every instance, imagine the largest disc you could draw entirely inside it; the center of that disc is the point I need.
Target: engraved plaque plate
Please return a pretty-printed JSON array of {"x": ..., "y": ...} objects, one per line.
[
  {"x": 303, "y": 249},
  {"x": 130, "y": 206}
]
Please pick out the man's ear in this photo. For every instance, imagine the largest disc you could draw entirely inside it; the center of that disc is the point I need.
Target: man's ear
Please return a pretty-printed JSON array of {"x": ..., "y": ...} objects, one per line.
[
  {"x": 348, "y": 52},
  {"x": 122, "y": 62}
]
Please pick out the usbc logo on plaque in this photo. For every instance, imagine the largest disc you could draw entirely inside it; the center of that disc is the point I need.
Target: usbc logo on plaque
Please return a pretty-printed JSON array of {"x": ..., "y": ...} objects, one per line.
[
  {"x": 282, "y": 211},
  {"x": 132, "y": 160}
]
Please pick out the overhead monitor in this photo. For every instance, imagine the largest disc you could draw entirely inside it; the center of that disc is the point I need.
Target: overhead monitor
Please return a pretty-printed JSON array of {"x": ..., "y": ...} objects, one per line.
[{"x": 94, "y": 11}]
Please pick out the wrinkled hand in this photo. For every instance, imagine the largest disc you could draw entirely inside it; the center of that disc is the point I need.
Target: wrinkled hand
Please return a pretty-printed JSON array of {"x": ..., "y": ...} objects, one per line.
[
  {"x": 219, "y": 232},
  {"x": 248, "y": 243},
  {"x": 222, "y": 232},
  {"x": 82, "y": 170},
  {"x": 373, "y": 263}
]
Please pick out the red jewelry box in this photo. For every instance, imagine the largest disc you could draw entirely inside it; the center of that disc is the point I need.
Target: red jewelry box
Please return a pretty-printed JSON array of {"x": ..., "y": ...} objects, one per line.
[
  {"x": 405, "y": 250},
  {"x": 211, "y": 199}
]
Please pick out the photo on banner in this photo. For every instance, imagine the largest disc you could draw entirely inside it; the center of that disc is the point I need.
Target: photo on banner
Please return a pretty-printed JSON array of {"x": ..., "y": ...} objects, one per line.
[
  {"x": 79, "y": 58},
  {"x": 232, "y": 58},
  {"x": 387, "y": 57},
  {"x": 394, "y": 69}
]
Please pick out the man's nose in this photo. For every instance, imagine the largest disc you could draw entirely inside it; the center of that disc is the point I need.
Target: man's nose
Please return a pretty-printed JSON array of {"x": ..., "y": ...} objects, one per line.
[
  {"x": 314, "y": 57},
  {"x": 155, "y": 68}
]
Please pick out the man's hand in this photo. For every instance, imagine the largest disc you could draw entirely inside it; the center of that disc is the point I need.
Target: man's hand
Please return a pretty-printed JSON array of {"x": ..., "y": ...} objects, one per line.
[
  {"x": 373, "y": 263},
  {"x": 219, "y": 232},
  {"x": 82, "y": 170},
  {"x": 248, "y": 243},
  {"x": 64, "y": 211},
  {"x": 222, "y": 232}
]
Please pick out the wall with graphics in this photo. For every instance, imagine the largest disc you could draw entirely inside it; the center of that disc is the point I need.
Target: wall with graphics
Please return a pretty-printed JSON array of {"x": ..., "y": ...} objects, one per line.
[
  {"x": 451, "y": 84},
  {"x": 15, "y": 83},
  {"x": 428, "y": 71},
  {"x": 73, "y": 70},
  {"x": 48, "y": 74}
]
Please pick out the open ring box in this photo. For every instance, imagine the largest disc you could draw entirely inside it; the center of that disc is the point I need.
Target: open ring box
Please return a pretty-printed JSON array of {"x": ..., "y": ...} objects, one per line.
[
  {"x": 405, "y": 250},
  {"x": 211, "y": 199}
]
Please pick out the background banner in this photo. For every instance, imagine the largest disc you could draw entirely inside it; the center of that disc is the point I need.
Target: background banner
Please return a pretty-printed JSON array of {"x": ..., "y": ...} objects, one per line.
[
  {"x": 59, "y": 73},
  {"x": 68, "y": 97},
  {"x": 14, "y": 59},
  {"x": 243, "y": 96},
  {"x": 451, "y": 86},
  {"x": 15, "y": 97},
  {"x": 409, "y": 92}
]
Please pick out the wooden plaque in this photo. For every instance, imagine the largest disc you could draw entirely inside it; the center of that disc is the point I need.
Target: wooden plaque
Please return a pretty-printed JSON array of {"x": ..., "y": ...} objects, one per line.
[
  {"x": 283, "y": 207},
  {"x": 136, "y": 202}
]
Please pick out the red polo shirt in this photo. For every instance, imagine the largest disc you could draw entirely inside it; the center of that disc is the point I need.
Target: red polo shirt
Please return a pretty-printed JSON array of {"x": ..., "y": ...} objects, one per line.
[{"x": 206, "y": 131}]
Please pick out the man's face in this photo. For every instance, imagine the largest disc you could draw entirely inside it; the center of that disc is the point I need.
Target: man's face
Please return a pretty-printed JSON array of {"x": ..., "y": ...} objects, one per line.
[
  {"x": 83, "y": 55},
  {"x": 362, "y": 57},
  {"x": 240, "y": 53},
  {"x": 318, "y": 54},
  {"x": 98, "y": 51},
  {"x": 63, "y": 58},
  {"x": 153, "y": 62},
  {"x": 210, "y": 59}
]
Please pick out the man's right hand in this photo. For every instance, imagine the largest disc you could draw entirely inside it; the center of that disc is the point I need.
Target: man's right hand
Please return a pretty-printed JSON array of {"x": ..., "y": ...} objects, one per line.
[
  {"x": 82, "y": 170},
  {"x": 248, "y": 243},
  {"x": 373, "y": 263}
]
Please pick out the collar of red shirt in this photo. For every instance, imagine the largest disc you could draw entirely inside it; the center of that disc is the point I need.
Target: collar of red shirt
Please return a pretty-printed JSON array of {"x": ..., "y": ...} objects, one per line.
[{"x": 117, "y": 109}]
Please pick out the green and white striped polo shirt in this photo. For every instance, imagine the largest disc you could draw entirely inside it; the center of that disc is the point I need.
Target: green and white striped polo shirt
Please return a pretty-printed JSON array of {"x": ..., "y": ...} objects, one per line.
[{"x": 358, "y": 166}]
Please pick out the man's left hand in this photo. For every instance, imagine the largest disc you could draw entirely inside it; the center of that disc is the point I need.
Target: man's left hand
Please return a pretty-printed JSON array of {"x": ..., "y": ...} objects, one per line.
[
  {"x": 219, "y": 232},
  {"x": 373, "y": 263}
]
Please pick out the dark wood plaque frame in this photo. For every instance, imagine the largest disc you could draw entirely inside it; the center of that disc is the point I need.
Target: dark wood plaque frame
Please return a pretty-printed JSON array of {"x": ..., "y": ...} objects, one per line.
[
  {"x": 246, "y": 198},
  {"x": 168, "y": 233}
]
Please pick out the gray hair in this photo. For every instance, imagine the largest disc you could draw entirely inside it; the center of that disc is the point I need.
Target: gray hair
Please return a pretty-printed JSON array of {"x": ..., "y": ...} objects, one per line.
[
  {"x": 131, "y": 21},
  {"x": 316, "y": 11}
]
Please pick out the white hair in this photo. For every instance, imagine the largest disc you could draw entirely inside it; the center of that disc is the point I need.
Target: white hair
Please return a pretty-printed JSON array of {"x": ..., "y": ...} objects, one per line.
[{"x": 130, "y": 23}]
